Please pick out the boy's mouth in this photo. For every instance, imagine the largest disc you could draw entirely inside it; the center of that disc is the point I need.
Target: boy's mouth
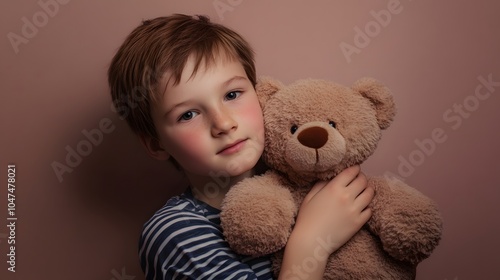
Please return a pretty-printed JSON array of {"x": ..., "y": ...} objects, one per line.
[{"x": 233, "y": 147}]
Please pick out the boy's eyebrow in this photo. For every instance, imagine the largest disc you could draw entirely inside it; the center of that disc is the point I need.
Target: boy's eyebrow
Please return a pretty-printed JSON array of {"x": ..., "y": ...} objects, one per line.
[
  {"x": 235, "y": 78},
  {"x": 173, "y": 107}
]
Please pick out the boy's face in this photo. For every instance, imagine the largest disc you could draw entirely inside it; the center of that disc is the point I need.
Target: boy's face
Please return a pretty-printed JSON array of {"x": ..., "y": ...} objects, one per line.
[{"x": 211, "y": 123}]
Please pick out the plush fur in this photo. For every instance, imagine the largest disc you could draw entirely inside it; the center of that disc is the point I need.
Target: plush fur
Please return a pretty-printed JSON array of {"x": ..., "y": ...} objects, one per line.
[{"x": 314, "y": 130}]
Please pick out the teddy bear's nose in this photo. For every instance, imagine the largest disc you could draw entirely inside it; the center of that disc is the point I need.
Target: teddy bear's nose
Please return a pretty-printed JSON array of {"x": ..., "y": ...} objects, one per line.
[{"x": 313, "y": 137}]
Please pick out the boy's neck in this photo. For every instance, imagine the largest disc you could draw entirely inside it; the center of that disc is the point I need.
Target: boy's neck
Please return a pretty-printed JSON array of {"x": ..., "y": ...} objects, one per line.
[{"x": 213, "y": 189}]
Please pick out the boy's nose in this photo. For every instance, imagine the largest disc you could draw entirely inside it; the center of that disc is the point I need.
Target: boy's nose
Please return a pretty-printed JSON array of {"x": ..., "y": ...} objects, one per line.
[{"x": 222, "y": 123}]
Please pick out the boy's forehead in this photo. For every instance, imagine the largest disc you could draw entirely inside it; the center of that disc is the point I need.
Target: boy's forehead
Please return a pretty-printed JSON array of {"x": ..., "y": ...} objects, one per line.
[{"x": 196, "y": 66}]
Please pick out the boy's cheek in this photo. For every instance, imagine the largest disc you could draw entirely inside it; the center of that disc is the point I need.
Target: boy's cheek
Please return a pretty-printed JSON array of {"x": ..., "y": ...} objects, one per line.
[
  {"x": 183, "y": 142},
  {"x": 188, "y": 140},
  {"x": 252, "y": 113}
]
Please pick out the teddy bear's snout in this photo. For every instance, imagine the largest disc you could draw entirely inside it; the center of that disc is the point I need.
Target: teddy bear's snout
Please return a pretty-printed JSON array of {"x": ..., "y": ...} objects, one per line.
[{"x": 313, "y": 137}]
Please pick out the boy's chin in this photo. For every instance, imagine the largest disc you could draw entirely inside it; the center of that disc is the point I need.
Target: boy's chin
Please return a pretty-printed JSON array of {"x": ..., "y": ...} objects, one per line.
[{"x": 243, "y": 167}]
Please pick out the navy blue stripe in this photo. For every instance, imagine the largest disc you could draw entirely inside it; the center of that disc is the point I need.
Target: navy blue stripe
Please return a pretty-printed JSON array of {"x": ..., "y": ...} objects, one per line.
[{"x": 183, "y": 240}]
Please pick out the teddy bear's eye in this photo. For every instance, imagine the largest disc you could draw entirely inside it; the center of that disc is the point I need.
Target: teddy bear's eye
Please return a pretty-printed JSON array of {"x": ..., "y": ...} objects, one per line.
[
  {"x": 332, "y": 124},
  {"x": 293, "y": 129}
]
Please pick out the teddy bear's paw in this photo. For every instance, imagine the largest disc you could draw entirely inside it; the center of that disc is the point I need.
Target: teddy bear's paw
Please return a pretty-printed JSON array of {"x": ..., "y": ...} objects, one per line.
[
  {"x": 257, "y": 216},
  {"x": 362, "y": 257},
  {"x": 408, "y": 223},
  {"x": 413, "y": 250},
  {"x": 415, "y": 239}
]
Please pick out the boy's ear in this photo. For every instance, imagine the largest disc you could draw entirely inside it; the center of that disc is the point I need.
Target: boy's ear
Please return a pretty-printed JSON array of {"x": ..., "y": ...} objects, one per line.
[{"x": 154, "y": 148}]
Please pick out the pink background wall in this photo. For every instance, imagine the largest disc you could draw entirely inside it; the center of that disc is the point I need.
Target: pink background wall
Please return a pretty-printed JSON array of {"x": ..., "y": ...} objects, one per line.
[{"x": 85, "y": 224}]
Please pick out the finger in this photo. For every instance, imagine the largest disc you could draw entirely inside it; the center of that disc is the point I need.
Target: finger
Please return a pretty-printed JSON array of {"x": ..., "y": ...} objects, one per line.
[
  {"x": 346, "y": 176},
  {"x": 364, "y": 216},
  {"x": 358, "y": 185},
  {"x": 318, "y": 186},
  {"x": 364, "y": 198}
]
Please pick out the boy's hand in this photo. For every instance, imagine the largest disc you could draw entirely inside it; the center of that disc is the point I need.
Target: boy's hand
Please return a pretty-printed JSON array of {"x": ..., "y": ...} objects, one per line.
[
  {"x": 331, "y": 213},
  {"x": 334, "y": 211}
]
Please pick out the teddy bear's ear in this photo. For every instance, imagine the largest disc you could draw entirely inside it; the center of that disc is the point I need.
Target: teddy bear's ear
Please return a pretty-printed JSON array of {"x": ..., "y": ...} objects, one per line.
[
  {"x": 380, "y": 97},
  {"x": 266, "y": 87}
]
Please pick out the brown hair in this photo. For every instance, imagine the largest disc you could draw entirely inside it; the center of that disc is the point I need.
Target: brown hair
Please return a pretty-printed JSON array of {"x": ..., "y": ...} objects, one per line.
[{"x": 164, "y": 44}]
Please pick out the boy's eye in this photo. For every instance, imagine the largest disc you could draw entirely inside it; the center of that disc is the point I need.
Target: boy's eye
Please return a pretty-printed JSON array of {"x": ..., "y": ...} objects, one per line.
[
  {"x": 187, "y": 116},
  {"x": 232, "y": 95}
]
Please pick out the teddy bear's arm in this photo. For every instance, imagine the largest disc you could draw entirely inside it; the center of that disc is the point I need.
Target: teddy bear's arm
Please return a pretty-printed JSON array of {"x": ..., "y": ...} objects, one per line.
[
  {"x": 407, "y": 222},
  {"x": 257, "y": 215}
]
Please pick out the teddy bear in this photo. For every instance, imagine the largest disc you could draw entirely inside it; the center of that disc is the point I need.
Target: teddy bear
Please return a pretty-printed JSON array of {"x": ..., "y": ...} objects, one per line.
[{"x": 314, "y": 129}]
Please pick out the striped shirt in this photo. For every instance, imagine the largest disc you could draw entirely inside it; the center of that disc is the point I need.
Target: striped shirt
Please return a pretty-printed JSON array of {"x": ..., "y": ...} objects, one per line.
[{"x": 184, "y": 240}]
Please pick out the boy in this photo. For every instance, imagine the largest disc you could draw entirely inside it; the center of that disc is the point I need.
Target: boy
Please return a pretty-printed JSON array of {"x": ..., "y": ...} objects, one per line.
[{"x": 187, "y": 87}]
